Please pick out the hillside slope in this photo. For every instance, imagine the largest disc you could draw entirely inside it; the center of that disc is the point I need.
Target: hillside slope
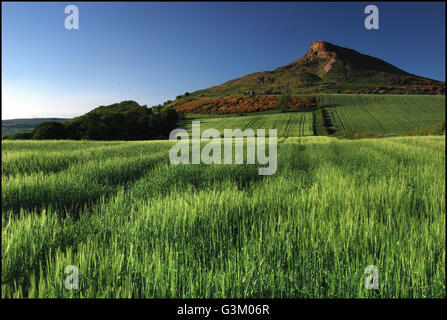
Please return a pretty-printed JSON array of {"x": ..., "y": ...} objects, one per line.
[
  {"x": 375, "y": 114},
  {"x": 328, "y": 68}
]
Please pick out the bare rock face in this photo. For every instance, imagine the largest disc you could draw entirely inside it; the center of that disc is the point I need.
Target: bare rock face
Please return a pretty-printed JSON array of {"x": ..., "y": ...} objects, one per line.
[
  {"x": 323, "y": 51},
  {"x": 318, "y": 48},
  {"x": 320, "y": 53}
]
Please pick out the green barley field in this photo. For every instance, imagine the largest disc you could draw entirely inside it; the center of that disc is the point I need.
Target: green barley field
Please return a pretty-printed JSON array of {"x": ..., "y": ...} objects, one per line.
[
  {"x": 292, "y": 124},
  {"x": 389, "y": 115},
  {"x": 383, "y": 114},
  {"x": 137, "y": 226}
]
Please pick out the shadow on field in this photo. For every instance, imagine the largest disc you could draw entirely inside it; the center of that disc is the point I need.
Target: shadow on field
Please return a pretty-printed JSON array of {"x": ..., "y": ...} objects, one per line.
[{"x": 70, "y": 194}]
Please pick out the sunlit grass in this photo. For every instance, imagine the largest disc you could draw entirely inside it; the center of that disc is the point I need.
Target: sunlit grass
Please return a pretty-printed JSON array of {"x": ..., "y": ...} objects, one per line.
[
  {"x": 383, "y": 114},
  {"x": 145, "y": 228}
]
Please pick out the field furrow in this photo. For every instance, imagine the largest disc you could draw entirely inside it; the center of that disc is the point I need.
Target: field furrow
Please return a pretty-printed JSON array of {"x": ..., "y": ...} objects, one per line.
[{"x": 291, "y": 124}]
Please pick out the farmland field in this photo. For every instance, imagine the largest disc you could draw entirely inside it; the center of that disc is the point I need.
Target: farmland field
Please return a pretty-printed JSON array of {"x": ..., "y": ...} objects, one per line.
[
  {"x": 292, "y": 124},
  {"x": 383, "y": 114},
  {"x": 137, "y": 226}
]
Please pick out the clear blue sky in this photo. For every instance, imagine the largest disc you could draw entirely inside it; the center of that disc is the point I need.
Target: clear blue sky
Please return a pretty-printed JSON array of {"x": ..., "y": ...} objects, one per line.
[{"x": 151, "y": 52}]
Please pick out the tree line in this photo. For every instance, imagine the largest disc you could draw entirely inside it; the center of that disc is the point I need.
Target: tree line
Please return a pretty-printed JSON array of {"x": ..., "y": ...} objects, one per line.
[{"x": 126, "y": 120}]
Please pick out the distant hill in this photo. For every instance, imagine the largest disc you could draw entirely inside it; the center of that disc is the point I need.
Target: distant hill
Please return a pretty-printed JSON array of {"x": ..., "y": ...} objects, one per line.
[
  {"x": 328, "y": 68},
  {"x": 325, "y": 69},
  {"x": 19, "y": 125}
]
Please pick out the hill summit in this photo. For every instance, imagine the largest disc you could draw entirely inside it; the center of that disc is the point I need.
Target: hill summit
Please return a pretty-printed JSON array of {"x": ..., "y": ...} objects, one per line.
[{"x": 328, "y": 68}]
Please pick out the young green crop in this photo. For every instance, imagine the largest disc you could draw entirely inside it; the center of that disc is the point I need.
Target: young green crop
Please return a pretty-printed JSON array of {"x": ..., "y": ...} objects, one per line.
[
  {"x": 161, "y": 230},
  {"x": 383, "y": 114},
  {"x": 291, "y": 124}
]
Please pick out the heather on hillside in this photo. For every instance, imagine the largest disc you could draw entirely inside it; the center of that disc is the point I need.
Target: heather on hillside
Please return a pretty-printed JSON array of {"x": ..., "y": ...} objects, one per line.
[{"x": 243, "y": 104}]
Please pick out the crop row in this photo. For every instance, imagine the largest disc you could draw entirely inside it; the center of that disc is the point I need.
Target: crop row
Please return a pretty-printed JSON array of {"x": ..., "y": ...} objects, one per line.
[
  {"x": 291, "y": 124},
  {"x": 383, "y": 114}
]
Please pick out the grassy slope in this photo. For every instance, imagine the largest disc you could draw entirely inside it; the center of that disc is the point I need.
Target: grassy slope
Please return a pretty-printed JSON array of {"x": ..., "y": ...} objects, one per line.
[
  {"x": 157, "y": 230},
  {"x": 383, "y": 114},
  {"x": 378, "y": 114},
  {"x": 293, "y": 124}
]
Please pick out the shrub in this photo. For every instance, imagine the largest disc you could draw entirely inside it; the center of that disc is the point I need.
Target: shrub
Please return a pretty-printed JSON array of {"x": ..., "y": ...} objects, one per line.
[
  {"x": 21, "y": 136},
  {"x": 436, "y": 130},
  {"x": 283, "y": 103},
  {"x": 49, "y": 130}
]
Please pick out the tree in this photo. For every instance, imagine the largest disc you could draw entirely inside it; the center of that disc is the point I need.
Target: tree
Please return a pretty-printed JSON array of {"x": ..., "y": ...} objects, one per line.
[
  {"x": 123, "y": 121},
  {"x": 283, "y": 103},
  {"x": 50, "y": 130},
  {"x": 20, "y": 136}
]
